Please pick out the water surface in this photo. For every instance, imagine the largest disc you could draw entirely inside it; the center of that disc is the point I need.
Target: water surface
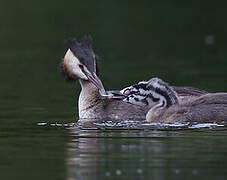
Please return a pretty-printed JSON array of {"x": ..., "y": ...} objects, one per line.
[
  {"x": 153, "y": 154},
  {"x": 184, "y": 43}
]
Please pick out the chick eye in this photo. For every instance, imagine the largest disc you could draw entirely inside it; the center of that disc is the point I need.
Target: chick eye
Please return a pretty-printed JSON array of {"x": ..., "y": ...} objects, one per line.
[
  {"x": 127, "y": 92},
  {"x": 81, "y": 66}
]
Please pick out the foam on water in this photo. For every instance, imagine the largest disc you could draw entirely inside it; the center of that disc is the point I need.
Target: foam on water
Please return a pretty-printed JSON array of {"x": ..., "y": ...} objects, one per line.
[
  {"x": 205, "y": 125},
  {"x": 145, "y": 125},
  {"x": 56, "y": 124},
  {"x": 132, "y": 124}
]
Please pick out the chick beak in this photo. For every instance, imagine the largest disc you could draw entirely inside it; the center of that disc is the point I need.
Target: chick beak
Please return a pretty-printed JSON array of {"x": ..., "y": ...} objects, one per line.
[{"x": 115, "y": 95}]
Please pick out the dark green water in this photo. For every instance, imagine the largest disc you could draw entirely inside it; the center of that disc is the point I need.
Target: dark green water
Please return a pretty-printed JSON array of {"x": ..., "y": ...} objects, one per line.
[
  {"x": 147, "y": 155},
  {"x": 183, "y": 43}
]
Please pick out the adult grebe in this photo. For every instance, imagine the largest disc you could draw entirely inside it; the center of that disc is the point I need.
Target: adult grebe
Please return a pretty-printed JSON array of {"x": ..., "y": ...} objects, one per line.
[
  {"x": 80, "y": 63},
  {"x": 165, "y": 105}
]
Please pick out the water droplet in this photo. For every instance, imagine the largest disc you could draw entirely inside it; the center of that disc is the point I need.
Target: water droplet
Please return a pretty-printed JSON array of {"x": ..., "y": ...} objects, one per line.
[
  {"x": 209, "y": 39},
  {"x": 142, "y": 160},
  {"x": 41, "y": 124},
  {"x": 194, "y": 171},
  {"x": 118, "y": 172},
  {"x": 139, "y": 171},
  {"x": 177, "y": 171},
  {"x": 107, "y": 174}
]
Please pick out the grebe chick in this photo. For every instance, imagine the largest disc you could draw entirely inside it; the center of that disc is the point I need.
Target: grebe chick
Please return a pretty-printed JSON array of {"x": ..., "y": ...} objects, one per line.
[
  {"x": 80, "y": 63},
  {"x": 165, "y": 105}
]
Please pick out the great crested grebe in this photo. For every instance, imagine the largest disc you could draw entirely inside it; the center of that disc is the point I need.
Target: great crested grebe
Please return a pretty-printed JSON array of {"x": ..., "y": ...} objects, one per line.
[
  {"x": 165, "y": 105},
  {"x": 80, "y": 63}
]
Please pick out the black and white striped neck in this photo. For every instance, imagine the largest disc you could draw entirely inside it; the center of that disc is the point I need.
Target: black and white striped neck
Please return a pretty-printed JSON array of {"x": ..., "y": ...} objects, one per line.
[
  {"x": 154, "y": 92},
  {"x": 164, "y": 90}
]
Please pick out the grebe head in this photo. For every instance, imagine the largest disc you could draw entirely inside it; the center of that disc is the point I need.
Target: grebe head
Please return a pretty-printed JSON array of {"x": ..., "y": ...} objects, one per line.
[
  {"x": 80, "y": 61},
  {"x": 150, "y": 93}
]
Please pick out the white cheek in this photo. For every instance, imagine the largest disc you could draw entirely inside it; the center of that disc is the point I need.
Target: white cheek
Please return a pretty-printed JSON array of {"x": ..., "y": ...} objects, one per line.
[
  {"x": 77, "y": 71},
  {"x": 74, "y": 63}
]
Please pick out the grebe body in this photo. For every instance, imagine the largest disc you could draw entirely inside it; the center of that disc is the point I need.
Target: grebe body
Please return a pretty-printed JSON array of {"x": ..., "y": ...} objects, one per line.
[
  {"x": 165, "y": 105},
  {"x": 80, "y": 63}
]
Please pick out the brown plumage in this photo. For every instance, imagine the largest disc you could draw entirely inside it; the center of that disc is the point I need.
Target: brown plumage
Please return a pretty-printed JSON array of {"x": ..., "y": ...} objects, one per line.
[
  {"x": 80, "y": 63},
  {"x": 209, "y": 107}
]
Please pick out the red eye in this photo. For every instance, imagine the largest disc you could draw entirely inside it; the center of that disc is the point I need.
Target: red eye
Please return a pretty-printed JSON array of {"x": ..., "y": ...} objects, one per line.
[{"x": 81, "y": 66}]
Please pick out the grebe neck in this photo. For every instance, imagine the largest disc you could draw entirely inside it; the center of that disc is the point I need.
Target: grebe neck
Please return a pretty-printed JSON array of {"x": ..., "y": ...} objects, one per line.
[
  {"x": 88, "y": 99},
  {"x": 167, "y": 95}
]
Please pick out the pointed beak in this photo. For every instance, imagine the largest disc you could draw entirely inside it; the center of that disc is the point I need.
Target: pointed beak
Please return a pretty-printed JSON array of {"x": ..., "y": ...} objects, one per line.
[
  {"x": 115, "y": 95},
  {"x": 95, "y": 80}
]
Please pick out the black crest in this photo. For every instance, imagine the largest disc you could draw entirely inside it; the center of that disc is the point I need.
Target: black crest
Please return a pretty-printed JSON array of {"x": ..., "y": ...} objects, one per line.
[{"x": 82, "y": 49}]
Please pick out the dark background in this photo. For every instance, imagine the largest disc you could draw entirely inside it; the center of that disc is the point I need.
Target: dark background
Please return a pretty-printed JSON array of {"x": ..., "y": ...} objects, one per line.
[{"x": 182, "y": 42}]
